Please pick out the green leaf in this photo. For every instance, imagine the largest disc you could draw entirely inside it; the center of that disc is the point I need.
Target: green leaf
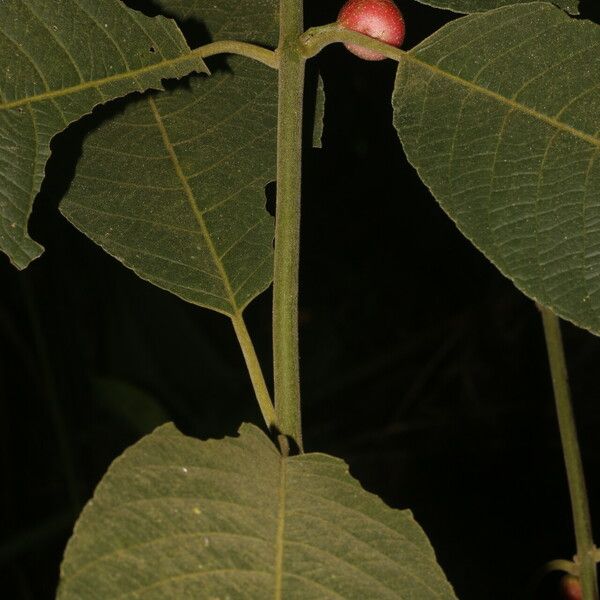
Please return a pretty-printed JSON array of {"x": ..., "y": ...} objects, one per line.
[
  {"x": 252, "y": 21},
  {"x": 174, "y": 186},
  {"x": 472, "y": 6},
  {"x": 176, "y": 517},
  {"x": 57, "y": 61},
  {"x": 500, "y": 114}
]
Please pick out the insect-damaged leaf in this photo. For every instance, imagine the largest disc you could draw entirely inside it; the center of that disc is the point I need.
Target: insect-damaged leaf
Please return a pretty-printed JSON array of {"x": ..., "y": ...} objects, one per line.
[
  {"x": 175, "y": 517},
  {"x": 175, "y": 186},
  {"x": 58, "y": 60}
]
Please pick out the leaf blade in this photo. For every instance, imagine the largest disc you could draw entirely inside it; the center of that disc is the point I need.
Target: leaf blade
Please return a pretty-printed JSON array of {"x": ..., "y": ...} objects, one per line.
[
  {"x": 506, "y": 139},
  {"x": 218, "y": 504},
  {"x": 473, "y": 6},
  {"x": 194, "y": 224},
  {"x": 58, "y": 61},
  {"x": 202, "y": 230}
]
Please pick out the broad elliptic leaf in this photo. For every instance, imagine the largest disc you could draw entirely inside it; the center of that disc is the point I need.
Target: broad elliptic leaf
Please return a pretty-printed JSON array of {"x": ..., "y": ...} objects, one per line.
[
  {"x": 175, "y": 186},
  {"x": 176, "y": 517},
  {"x": 500, "y": 114},
  {"x": 59, "y": 59},
  {"x": 471, "y": 6}
]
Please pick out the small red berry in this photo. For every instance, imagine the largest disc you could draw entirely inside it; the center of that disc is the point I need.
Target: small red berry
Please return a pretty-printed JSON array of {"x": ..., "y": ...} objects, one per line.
[
  {"x": 380, "y": 19},
  {"x": 570, "y": 588}
]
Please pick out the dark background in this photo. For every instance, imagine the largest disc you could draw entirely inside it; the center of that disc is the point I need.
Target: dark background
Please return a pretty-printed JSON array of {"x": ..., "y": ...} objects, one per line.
[{"x": 422, "y": 366}]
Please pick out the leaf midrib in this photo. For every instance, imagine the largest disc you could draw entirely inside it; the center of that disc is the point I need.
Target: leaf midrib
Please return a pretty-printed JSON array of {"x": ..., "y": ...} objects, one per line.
[
  {"x": 560, "y": 125},
  {"x": 189, "y": 193},
  {"x": 279, "y": 536},
  {"x": 97, "y": 83}
]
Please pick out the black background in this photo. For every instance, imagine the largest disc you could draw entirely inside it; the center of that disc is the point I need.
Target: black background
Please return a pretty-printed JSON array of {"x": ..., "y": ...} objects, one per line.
[{"x": 422, "y": 366}]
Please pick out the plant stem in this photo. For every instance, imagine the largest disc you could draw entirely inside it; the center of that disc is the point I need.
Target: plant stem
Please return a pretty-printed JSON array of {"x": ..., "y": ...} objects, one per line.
[
  {"x": 287, "y": 222},
  {"x": 572, "y": 455},
  {"x": 256, "y": 375},
  {"x": 263, "y": 55}
]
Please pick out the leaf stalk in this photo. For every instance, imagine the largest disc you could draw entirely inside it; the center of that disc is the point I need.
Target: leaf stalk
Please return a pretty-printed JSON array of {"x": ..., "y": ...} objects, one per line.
[
  {"x": 586, "y": 550},
  {"x": 256, "y": 375},
  {"x": 263, "y": 55},
  {"x": 316, "y": 38}
]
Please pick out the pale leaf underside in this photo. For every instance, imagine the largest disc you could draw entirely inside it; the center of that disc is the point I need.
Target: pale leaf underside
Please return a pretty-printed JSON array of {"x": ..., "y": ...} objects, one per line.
[{"x": 179, "y": 518}]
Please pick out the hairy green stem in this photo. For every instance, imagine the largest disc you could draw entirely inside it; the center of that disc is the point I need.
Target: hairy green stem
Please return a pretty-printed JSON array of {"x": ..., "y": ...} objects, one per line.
[
  {"x": 263, "y": 55},
  {"x": 586, "y": 551},
  {"x": 287, "y": 221},
  {"x": 256, "y": 375}
]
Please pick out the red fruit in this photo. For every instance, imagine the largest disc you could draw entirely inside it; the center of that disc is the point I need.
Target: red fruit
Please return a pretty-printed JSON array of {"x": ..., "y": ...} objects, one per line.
[
  {"x": 570, "y": 588},
  {"x": 380, "y": 19}
]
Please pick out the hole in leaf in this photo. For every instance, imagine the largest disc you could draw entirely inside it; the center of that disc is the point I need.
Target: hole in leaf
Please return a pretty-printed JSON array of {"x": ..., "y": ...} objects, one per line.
[
  {"x": 271, "y": 193},
  {"x": 590, "y": 9},
  {"x": 194, "y": 31}
]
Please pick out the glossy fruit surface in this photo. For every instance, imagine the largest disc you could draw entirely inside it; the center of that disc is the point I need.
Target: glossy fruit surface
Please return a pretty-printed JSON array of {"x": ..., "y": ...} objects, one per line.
[
  {"x": 380, "y": 19},
  {"x": 570, "y": 588}
]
